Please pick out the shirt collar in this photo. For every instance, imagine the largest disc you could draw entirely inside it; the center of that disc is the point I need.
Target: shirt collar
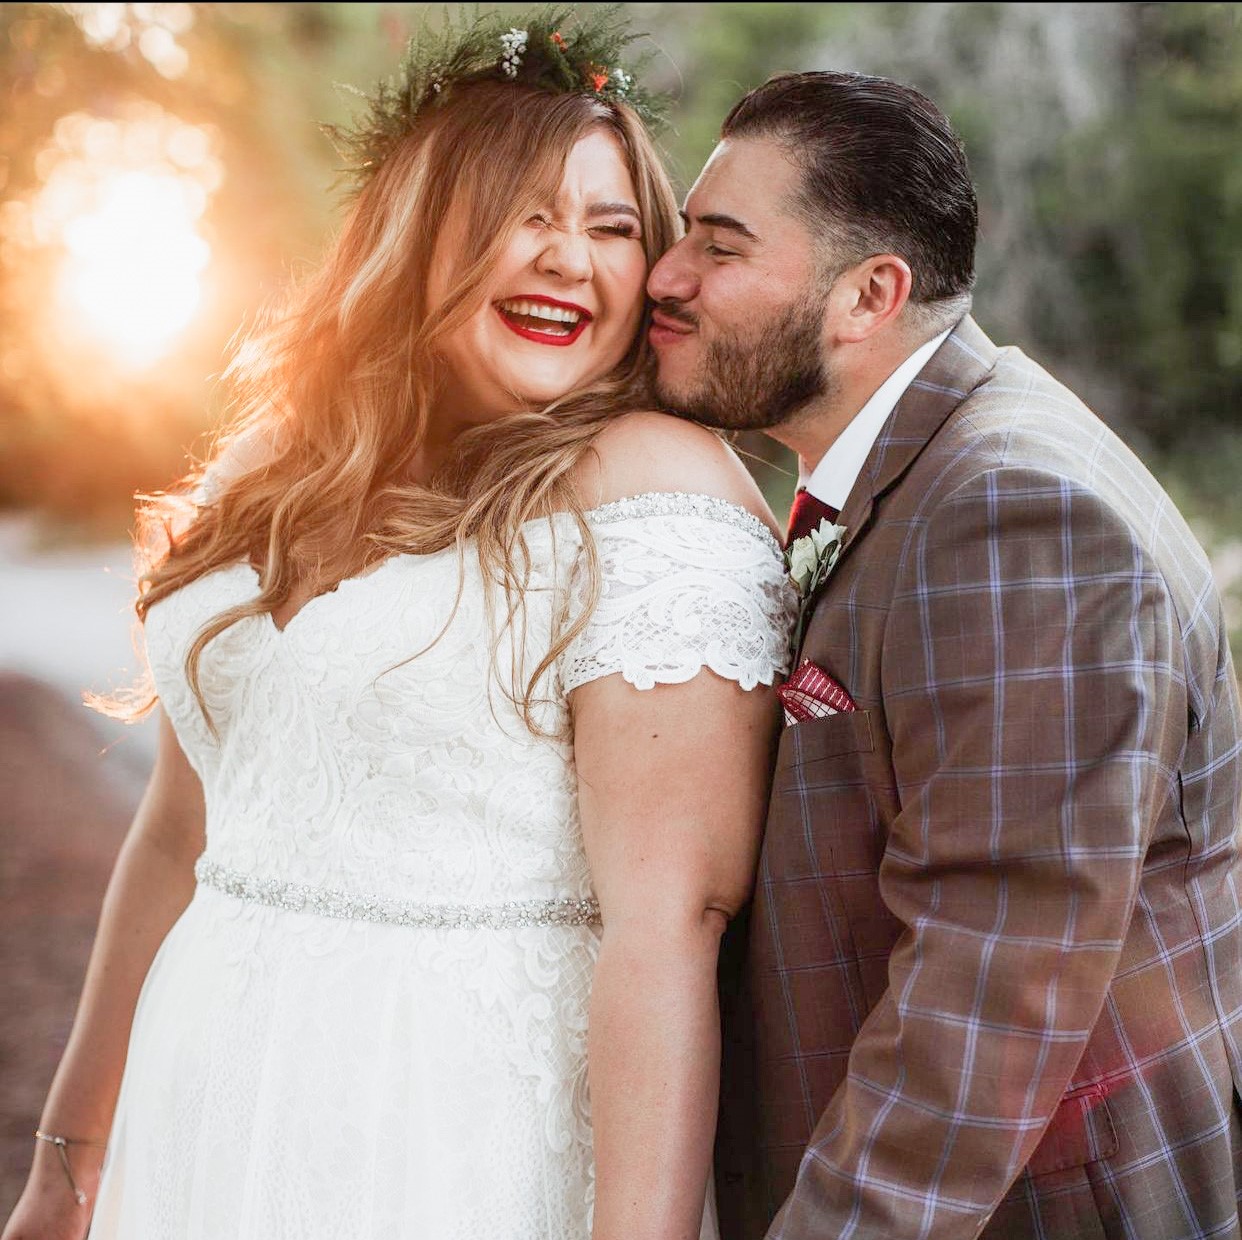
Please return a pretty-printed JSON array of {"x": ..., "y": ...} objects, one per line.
[{"x": 832, "y": 480}]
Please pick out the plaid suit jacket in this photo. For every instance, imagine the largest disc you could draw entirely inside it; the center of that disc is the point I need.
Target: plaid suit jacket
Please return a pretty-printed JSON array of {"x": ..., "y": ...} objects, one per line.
[{"x": 993, "y": 978}]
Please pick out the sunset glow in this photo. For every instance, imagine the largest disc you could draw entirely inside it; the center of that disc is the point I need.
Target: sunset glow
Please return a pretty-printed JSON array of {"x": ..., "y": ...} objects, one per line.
[
  {"x": 133, "y": 263},
  {"x": 122, "y": 202}
]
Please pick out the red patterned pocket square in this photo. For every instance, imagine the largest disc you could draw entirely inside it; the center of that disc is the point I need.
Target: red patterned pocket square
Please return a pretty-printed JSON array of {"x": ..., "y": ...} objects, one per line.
[{"x": 810, "y": 693}]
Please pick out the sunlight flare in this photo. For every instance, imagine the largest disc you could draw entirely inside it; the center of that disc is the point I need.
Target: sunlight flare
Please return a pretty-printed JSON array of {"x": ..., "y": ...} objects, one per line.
[
  {"x": 122, "y": 201},
  {"x": 133, "y": 264}
]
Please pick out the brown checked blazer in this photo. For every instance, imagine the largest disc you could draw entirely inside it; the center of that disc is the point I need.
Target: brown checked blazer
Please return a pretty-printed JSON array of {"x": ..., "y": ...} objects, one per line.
[{"x": 993, "y": 977}]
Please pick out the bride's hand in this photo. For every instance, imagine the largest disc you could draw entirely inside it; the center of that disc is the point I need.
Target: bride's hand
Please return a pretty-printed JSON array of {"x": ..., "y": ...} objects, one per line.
[{"x": 47, "y": 1208}]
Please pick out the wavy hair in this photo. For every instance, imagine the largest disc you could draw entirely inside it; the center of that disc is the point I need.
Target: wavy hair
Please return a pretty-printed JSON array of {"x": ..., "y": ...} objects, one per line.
[{"x": 337, "y": 386}]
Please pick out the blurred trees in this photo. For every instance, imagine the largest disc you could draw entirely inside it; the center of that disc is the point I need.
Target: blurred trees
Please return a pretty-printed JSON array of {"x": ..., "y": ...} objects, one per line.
[
  {"x": 1161, "y": 247},
  {"x": 1104, "y": 139}
]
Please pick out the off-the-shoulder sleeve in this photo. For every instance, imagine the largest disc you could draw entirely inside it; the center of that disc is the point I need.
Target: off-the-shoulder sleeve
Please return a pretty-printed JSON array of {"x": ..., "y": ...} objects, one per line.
[{"x": 687, "y": 582}]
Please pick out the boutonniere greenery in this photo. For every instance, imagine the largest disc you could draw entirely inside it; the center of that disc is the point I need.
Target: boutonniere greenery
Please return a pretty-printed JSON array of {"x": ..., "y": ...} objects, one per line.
[{"x": 808, "y": 561}]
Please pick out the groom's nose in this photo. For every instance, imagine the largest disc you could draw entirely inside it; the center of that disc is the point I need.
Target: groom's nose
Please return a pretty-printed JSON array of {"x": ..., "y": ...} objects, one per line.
[{"x": 672, "y": 278}]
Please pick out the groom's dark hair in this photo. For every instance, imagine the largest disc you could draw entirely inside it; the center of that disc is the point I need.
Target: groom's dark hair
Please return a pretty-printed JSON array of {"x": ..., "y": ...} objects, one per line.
[{"x": 882, "y": 172}]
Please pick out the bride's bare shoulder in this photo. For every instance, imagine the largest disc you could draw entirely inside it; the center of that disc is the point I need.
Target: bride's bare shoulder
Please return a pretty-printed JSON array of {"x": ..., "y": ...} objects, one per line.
[{"x": 642, "y": 452}]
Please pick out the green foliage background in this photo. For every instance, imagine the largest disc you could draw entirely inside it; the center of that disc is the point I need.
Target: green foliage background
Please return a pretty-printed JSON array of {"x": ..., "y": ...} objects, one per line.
[{"x": 1105, "y": 140}]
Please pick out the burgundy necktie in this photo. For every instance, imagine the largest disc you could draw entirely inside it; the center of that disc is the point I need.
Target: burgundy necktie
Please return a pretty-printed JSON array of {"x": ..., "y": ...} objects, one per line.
[{"x": 806, "y": 514}]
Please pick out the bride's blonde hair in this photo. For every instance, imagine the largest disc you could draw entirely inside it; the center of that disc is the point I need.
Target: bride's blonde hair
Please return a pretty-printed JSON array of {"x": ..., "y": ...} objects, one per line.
[{"x": 337, "y": 387}]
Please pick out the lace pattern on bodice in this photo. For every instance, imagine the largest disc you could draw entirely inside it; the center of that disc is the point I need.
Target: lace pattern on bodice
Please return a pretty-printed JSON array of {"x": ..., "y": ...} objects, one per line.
[{"x": 342, "y": 762}]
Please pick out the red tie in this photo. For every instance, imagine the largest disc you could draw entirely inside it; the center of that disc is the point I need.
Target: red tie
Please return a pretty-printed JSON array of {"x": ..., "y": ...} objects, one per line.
[{"x": 806, "y": 514}]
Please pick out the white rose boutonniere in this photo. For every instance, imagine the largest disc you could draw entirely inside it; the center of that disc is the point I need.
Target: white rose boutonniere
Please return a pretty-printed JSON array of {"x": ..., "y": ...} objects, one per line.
[{"x": 809, "y": 560}]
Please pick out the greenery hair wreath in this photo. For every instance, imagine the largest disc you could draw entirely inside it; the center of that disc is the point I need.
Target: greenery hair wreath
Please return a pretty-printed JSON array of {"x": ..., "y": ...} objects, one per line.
[{"x": 556, "y": 49}]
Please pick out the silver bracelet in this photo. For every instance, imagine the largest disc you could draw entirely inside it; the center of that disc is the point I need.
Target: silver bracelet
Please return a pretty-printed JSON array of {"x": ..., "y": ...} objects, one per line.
[{"x": 62, "y": 1144}]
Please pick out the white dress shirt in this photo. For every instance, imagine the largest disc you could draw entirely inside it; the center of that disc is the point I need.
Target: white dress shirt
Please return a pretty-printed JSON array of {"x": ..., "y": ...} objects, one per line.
[{"x": 833, "y": 478}]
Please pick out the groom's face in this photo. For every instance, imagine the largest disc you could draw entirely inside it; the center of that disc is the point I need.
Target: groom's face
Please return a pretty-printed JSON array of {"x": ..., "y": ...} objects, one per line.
[{"x": 739, "y": 323}]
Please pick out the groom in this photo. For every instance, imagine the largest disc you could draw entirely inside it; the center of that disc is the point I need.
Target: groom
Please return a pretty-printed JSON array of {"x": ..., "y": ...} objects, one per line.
[{"x": 993, "y": 984}]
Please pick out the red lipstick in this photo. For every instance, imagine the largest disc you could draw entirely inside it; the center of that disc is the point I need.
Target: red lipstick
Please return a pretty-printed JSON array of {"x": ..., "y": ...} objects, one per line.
[{"x": 543, "y": 337}]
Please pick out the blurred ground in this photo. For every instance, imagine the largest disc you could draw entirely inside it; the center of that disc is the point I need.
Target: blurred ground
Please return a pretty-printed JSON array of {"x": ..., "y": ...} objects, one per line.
[
  {"x": 68, "y": 785},
  {"x": 62, "y": 816}
]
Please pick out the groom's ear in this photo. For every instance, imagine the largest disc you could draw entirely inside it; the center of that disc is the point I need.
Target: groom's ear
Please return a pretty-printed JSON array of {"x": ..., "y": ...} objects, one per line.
[{"x": 868, "y": 297}]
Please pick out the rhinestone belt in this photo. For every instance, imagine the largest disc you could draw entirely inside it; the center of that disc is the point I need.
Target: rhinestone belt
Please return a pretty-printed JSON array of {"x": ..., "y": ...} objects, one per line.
[{"x": 300, "y": 898}]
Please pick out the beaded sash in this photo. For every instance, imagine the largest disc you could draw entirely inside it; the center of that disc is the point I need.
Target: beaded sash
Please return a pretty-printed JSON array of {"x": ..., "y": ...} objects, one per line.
[{"x": 347, "y": 906}]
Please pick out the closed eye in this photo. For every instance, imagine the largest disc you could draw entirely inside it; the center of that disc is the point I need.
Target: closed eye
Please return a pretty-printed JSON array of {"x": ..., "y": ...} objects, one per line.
[
  {"x": 718, "y": 252},
  {"x": 621, "y": 229},
  {"x": 615, "y": 230}
]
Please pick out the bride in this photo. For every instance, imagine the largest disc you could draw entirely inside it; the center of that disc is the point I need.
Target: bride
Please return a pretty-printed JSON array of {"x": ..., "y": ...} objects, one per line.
[{"x": 461, "y": 657}]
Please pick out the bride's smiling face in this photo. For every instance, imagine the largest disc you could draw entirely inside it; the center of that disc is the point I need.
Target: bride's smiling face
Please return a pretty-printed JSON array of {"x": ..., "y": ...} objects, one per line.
[{"x": 563, "y": 304}]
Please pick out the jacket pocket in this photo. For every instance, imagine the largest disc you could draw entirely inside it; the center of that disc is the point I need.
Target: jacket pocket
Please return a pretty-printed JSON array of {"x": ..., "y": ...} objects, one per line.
[
  {"x": 1081, "y": 1132},
  {"x": 818, "y": 740},
  {"x": 822, "y": 809}
]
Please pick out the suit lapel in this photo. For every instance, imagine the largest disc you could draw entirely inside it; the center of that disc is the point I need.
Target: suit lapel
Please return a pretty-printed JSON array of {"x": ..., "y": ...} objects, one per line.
[{"x": 953, "y": 372}]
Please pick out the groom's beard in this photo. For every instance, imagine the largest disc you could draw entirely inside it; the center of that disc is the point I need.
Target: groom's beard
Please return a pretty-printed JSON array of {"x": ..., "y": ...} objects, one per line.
[{"x": 757, "y": 381}]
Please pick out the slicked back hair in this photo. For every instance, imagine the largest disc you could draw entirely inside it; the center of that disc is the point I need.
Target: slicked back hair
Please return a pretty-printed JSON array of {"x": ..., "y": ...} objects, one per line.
[{"x": 882, "y": 173}]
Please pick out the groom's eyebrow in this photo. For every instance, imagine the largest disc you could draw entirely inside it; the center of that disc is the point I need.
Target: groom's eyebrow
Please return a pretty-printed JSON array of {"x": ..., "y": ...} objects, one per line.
[{"x": 716, "y": 220}]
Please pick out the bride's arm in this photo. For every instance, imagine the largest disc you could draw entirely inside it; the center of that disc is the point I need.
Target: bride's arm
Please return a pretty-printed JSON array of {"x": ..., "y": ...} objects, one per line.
[
  {"x": 672, "y": 785},
  {"x": 150, "y": 886}
]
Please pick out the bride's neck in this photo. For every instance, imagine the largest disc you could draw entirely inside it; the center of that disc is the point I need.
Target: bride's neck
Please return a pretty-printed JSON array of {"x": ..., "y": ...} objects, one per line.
[
  {"x": 448, "y": 420},
  {"x": 444, "y": 425}
]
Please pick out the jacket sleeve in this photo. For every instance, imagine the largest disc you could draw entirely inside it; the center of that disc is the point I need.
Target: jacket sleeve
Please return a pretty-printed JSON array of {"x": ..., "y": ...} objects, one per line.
[{"x": 1034, "y": 693}]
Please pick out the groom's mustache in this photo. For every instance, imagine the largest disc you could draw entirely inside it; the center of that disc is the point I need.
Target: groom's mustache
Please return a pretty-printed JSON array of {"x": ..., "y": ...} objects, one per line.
[{"x": 670, "y": 309}]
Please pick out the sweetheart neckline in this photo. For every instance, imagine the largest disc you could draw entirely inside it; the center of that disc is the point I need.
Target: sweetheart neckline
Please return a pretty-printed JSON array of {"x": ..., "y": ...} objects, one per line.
[{"x": 613, "y": 510}]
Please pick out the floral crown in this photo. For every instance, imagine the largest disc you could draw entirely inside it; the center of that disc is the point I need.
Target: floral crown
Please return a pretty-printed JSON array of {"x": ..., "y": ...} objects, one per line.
[{"x": 557, "y": 50}]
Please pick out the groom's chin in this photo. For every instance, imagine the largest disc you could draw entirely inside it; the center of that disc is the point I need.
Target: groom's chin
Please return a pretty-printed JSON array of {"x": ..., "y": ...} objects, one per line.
[
  {"x": 684, "y": 405},
  {"x": 702, "y": 417}
]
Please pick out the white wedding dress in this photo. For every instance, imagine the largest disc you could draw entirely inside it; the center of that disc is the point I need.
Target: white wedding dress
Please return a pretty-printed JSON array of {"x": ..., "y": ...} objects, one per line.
[{"x": 371, "y": 1021}]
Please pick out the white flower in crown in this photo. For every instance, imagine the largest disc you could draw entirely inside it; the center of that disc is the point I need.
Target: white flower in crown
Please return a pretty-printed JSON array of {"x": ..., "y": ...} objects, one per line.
[
  {"x": 512, "y": 46},
  {"x": 622, "y": 81}
]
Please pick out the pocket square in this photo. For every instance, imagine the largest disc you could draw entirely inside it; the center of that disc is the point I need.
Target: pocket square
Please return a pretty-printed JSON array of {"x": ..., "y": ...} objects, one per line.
[{"x": 810, "y": 693}]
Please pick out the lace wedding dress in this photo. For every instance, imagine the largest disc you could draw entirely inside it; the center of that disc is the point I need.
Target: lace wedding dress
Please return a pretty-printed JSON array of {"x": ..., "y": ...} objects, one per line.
[{"x": 371, "y": 1020}]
